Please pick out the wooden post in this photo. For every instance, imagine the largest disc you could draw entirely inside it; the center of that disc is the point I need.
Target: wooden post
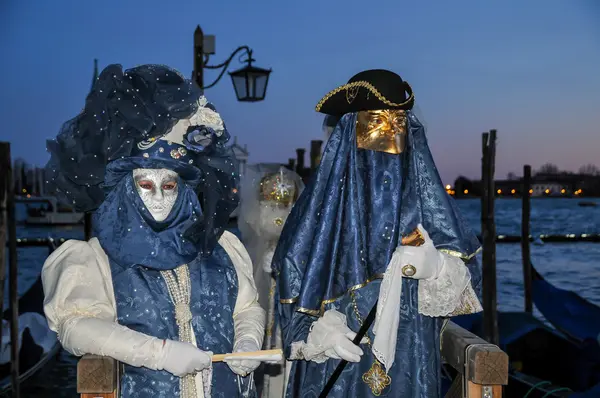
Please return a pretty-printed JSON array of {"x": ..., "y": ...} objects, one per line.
[
  {"x": 10, "y": 228},
  {"x": 482, "y": 367},
  {"x": 488, "y": 234},
  {"x": 525, "y": 233},
  {"x": 87, "y": 225},
  {"x": 300, "y": 162},
  {"x": 4, "y": 188},
  {"x": 97, "y": 377}
]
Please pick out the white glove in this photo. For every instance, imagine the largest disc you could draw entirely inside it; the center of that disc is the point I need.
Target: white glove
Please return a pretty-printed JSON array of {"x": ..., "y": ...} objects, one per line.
[
  {"x": 84, "y": 335},
  {"x": 243, "y": 366},
  {"x": 419, "y": 262},
  {"x": 181, "y": 358},
  {"x": 330, "y": 337}
]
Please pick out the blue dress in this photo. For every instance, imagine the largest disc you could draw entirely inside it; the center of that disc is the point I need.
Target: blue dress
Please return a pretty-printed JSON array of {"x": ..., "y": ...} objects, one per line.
[{"x": 150, "y": 310}]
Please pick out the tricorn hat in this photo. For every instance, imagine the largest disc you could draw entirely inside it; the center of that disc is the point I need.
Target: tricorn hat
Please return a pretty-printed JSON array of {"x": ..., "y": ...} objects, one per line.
[{"x": 368, "y": 90}]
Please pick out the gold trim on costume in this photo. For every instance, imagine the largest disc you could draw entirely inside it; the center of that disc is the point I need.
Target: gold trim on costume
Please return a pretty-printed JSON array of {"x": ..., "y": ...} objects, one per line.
[
  {"x": 320, "y": 311},
  {"x": 352, "y": 89},
  {"x": 288, "y": 301},
  {"x": 309, "y": 312},
  {"x": 460, "y": 255}
]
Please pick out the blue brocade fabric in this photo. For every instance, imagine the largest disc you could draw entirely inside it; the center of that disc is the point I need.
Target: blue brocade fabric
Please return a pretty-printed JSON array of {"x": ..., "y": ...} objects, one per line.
[
  {"x": 342, "y": 233},
  {"x": 129, "y": 234},
  {"x": 138, "y": 248},
  {"x": 415, "y": 373},
  {"x": 144, "y": 305}
]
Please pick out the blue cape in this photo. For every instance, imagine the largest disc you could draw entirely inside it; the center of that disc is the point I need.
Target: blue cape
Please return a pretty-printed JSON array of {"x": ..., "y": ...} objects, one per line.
[{"x": 348, "y": 221}]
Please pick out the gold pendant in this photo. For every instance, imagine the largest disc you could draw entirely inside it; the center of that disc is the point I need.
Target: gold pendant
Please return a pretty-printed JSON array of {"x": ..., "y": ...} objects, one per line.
[{"x": 377, "y": 379}]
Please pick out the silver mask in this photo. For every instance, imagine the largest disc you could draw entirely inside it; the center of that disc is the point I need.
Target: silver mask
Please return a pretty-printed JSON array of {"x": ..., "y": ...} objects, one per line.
[{"x": 158, "y": 190}]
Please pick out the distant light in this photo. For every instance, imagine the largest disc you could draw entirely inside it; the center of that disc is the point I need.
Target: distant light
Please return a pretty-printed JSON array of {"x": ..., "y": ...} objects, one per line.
[
  {"x": 24, "y": 190},
  {"x": 547, "y": 191},
  {"x": 563, "y": 190},
  {"x": 28, "y": 195},
  {"x": 466, "y": 191},
  {"x": 448, "y": 187},
  {"x": 531, "y": 191},
  {"x": 499, "y": 191},
  {"x": 513, "y": 191}
]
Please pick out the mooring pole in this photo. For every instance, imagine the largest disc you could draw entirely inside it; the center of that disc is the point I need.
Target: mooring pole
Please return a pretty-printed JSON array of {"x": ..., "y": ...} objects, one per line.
[
  {"x": 4, "y": 188},
  {"x": 10, "y": 228},
  {"x": 488, "y": 234},
  {"x": 525, "y": 234}
]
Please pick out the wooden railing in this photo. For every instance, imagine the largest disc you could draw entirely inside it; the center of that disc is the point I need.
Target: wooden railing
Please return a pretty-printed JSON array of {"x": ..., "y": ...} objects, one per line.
[
  {"x": 98, "y": 377},
  {"x": 482, "y": 368}
]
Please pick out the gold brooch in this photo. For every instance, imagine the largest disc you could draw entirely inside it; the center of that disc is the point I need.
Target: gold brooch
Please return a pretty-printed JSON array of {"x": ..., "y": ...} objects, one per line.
[{"x": 376, "y": 379}]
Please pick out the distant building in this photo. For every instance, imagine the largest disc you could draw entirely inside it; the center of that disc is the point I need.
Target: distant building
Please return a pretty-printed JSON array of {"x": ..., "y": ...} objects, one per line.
[
  {"x": 562, "y": 184},
  {"x": 549, "y": 188}
]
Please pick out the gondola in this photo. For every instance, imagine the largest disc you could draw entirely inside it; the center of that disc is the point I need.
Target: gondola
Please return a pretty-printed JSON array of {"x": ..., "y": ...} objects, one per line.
[
  {"x": 566, "y": 310},
  {"x": 39, "y": 345},
  {"x": 543, "y": 361}
]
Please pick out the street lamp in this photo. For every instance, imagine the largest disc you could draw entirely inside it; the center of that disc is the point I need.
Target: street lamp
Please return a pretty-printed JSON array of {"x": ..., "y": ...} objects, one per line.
[{"x": 249, "y": 82}]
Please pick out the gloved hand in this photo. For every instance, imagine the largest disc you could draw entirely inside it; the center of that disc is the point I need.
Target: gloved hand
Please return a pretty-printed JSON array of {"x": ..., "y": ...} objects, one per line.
[
  {"x": 331, "y": 337},
  {"x": 243, "y": 366},
  {"x": 181, "y": 358},
  {"x": 419, "y": 262}
]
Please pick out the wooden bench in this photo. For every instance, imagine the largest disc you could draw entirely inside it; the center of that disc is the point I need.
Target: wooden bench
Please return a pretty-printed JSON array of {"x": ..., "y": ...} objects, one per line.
[{"x": 482, "y": 368}]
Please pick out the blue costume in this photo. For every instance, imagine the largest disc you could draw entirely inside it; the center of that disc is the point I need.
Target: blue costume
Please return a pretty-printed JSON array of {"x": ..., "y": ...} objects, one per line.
[
  {"x": 343, "y": 231},
  {"x": 150, "y": 117}
]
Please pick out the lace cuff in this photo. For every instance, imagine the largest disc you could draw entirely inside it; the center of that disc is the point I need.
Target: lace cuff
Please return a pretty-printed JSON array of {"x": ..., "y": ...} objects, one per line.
[
  {"x": 309, "y": 352},
  {"x": 469, "y": 303},
  {"x": 449, "y": 292}
]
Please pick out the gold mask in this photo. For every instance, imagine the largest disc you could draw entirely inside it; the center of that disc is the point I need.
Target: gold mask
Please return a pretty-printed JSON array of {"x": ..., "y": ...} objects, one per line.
[
  {"x": 278, "y": 188},
  {"x": 383, "y": 130}
]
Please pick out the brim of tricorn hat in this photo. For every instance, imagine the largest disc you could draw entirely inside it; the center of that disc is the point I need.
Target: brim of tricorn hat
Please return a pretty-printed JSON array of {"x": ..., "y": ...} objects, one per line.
[{"x": 361, "y": 96}]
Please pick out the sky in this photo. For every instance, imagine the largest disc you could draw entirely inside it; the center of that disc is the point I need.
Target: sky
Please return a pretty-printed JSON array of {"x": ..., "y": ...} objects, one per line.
[{"x": 528, "y": 69}]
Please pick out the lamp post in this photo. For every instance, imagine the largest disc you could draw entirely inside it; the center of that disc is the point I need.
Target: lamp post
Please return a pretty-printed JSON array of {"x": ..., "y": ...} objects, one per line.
[{"x": 249, "y": 82}]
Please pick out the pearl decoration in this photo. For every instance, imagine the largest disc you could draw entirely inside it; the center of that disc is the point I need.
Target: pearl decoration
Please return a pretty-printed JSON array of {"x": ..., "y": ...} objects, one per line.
[{"x": 179, "y": 286}]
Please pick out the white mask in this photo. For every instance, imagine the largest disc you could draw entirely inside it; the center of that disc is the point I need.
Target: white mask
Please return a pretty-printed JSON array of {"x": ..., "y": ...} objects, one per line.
[{"x": 158, "y": 190}]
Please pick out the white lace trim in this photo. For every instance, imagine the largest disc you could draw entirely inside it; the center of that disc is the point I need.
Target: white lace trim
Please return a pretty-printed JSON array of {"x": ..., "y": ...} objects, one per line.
[
  {"x": 444, "y": 289},
  {"x": 469, "y": 303},
  {"x": 297, "y": 350},
  {"x": 440, "y": 297}
]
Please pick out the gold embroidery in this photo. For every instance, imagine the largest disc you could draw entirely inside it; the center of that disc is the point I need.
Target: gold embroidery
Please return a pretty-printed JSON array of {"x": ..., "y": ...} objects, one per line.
[{"x": 375, "y": 377}]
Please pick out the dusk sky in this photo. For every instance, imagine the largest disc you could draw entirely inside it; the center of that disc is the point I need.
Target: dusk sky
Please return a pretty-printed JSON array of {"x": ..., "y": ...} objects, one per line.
[{"x": 530, "y": 69}]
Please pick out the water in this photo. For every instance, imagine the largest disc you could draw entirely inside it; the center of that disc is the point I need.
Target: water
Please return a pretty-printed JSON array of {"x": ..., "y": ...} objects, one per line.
[{"x": 573, "y": 266}]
